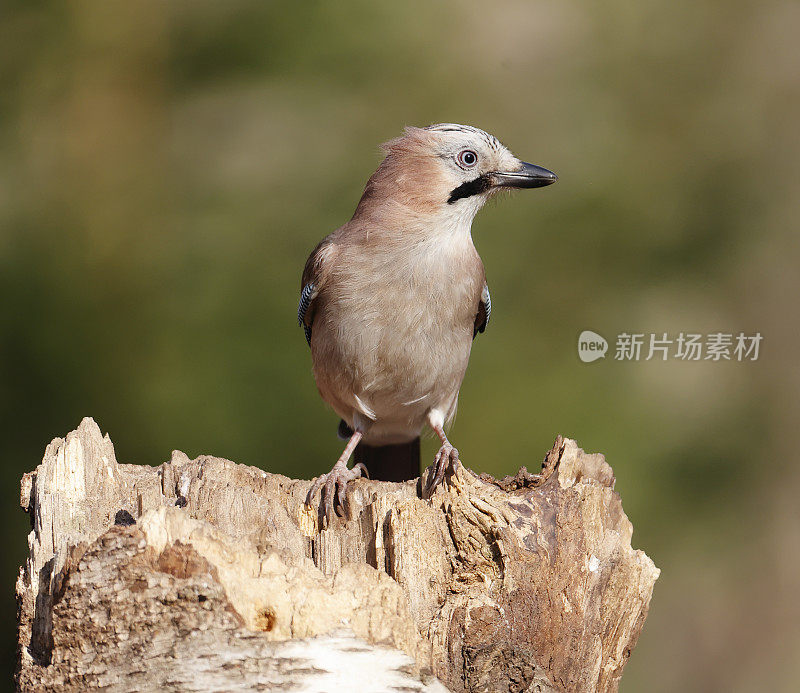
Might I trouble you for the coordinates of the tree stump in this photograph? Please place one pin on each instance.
(204, 575)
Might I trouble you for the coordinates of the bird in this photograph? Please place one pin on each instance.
(391, 302)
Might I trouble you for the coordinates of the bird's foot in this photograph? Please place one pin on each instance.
(446, 458)
(334, 490)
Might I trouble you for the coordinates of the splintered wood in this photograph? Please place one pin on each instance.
(206, 575)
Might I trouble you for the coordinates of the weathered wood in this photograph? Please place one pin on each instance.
(206, 575)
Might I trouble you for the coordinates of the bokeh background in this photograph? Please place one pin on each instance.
(166, 167)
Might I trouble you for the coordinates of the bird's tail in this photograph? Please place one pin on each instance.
(390, 462)
(386, 462)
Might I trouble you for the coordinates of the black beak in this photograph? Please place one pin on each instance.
(529, 176)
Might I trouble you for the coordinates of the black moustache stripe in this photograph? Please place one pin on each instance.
(474, 187)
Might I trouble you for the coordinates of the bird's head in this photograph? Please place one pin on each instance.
(447, 170)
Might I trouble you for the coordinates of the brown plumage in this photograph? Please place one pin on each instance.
(392, 300)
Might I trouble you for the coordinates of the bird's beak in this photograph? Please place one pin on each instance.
(529, 176)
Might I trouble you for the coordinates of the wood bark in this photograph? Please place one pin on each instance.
(203, 575)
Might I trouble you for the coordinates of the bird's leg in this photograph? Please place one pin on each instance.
(446, 457)
(334, 483)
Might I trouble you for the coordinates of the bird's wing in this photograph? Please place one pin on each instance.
(484, 311)
(315, 274)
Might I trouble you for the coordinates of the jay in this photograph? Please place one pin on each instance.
(391, 301)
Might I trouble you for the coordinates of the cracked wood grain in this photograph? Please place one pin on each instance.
(206, 575)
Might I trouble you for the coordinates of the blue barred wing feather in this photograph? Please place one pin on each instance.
(306, 296)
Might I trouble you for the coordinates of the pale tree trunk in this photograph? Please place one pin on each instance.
(205, 575)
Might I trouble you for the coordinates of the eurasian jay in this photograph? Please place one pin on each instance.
(391, 301)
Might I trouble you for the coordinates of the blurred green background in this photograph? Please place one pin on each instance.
(166, 167)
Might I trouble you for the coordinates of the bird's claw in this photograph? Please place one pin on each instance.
(446, 458)
(334, 490)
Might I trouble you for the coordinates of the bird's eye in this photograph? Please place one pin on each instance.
(467, 158)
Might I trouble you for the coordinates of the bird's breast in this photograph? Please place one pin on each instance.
(397, 324)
